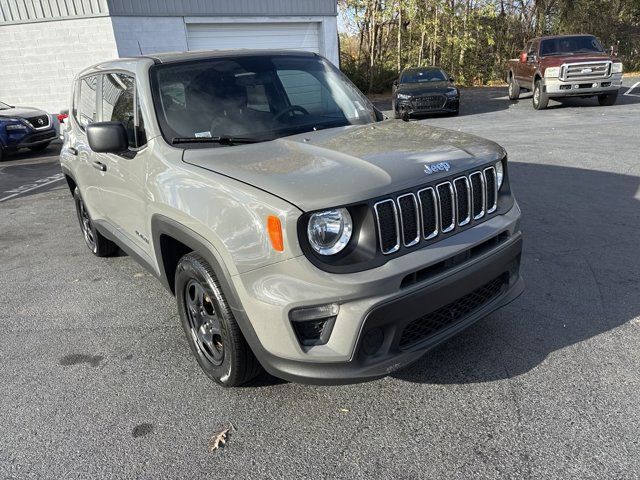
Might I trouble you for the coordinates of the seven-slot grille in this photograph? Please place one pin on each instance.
(585, 71)
(421, 216)
(430, 102)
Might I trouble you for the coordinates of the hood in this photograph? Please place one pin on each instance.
(21, 112)
(345, 165)
(557, 60)
(424, 88)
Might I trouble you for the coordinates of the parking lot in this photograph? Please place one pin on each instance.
(97, 380)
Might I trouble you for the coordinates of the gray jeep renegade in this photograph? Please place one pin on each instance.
(299, 230)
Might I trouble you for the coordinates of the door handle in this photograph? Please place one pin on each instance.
(99, 166)
(73, 151)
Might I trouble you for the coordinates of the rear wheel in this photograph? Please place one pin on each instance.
(99, 245)
(540, 98)
(39, 148)
(209, 325)
(607, 99)
(514, 89)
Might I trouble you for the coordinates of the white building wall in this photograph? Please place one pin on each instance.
(39, 60)
(154, 34)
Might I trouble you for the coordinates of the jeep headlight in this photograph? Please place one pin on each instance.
(330, 231)
(552, 72)
(403, 96)
(616, 67)
(499, 174)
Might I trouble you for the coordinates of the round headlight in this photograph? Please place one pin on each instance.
(499, 174)
(330, 231)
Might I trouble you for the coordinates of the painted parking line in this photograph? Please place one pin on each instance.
(14, 192)
(628, 92)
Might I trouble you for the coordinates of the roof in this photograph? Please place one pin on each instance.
(171, 57)
(552, 37)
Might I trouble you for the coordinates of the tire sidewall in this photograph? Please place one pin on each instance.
(77, 200)
(192, 269)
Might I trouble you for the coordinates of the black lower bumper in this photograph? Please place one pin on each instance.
(35, 139)
(392, 318)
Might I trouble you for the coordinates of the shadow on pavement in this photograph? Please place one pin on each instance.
(581, 267)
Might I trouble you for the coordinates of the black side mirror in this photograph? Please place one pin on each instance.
(379, 115)
(107, 137)
(452, 80)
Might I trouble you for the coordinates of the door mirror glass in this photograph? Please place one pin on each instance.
(107, 137)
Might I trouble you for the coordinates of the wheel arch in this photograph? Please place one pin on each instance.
(172, 240)
(71, 182)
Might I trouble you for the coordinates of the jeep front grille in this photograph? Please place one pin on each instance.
(585, 71)
(412, 218)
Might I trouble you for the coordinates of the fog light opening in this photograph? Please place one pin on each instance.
(313, 325)
(372, 341)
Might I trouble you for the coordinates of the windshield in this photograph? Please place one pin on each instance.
(420, 76)
(570, 45)
(4, 106)
(255, 98)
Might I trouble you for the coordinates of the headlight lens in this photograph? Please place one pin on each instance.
(499, 174)
(330, 231)
(14, 127)
(552, 72)
(452, 93)
(403, 96)
(616, 67)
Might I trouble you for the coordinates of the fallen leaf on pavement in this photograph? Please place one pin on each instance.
(220, 439)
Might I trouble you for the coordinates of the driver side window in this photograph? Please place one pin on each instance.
(119, 105)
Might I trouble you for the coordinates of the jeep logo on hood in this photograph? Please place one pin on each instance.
(437, 167)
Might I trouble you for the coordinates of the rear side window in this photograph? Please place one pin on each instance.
(85, 102)
(119, 104)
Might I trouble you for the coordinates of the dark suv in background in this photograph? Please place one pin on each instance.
(25, 127)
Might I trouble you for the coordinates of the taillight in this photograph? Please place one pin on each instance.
(62, 117)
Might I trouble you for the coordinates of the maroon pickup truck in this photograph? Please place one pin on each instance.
(565, 66)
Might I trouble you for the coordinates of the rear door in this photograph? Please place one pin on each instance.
(124, 197)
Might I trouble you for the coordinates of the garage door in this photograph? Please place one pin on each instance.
(222, 36)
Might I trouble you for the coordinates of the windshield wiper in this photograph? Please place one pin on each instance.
(222, 140)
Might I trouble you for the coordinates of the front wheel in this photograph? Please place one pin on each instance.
(607, 99)
(514, 89)
(540, 98)
(209, 325)
(99, 245)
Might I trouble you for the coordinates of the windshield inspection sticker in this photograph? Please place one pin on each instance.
(202, 134)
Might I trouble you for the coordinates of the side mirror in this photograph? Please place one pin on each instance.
(452, 80)
(395, 82)
(379, 115)
(614, 50)
(107, 137)
(523, 57)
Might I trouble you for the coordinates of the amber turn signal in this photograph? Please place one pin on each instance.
(274, 227)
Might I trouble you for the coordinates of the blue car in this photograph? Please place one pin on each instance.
(23, 127)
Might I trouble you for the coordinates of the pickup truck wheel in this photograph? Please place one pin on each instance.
(211, 329)
(540, 98)
(514, 89)
(607, 99)
(99, 245)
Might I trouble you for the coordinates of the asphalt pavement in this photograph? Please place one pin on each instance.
(97, 381)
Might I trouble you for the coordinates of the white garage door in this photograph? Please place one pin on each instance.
(223, 36)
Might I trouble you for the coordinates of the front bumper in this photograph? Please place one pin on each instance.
(375, 299)
(555, 87)
(30, 139)
(451, 105)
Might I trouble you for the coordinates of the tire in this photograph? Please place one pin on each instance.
(1, 153)
(514, 89)
(99, 245)
(212, 332)
(540, 98)
(39, 148)
(607, 99)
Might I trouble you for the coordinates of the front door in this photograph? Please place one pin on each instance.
(123, 191)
